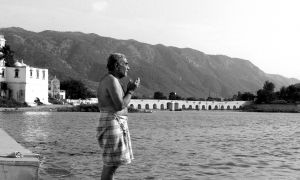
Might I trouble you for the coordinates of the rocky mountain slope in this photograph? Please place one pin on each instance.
(188, 72)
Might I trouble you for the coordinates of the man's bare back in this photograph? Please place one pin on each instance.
(109, 93)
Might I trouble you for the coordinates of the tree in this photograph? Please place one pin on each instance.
(213, 99)
(135, 97)
(191, 99)
(246, 96)
(269, 87)
(266, 95)
(261, 96)
(159, 95)
(8, 55)
(174, 96)
(292, 93)
(75, 89)
(282, 93)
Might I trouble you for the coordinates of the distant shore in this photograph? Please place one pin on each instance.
(287, 108)
(47, 108)
(64, 108)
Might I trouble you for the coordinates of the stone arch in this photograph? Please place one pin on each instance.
(190, 107)
(222, 107)
(183, 106)
(154, 106)
(176, 105)
(203, 107)
(147, 106)
(240, 107)
(131, 105)
(169, 106)
(139, 106)
(162, 106)
(216, 107)
(234, 107)
(197, 107)
(228, 107)
(209, 107)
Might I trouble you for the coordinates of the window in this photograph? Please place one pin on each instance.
(31, 73)
(44, 74)
(2, 74)
(21, 93)
(17, 73)
(37, 74)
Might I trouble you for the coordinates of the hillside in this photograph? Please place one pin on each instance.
(186, 71)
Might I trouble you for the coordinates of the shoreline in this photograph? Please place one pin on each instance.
(64, 108)
(275, 108)
(43, 108)
(280, 108)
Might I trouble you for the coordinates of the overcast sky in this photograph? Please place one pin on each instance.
(266, 32)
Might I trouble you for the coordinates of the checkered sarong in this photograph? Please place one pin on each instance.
(114, 139)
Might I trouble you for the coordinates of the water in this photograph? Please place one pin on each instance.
(167, 145)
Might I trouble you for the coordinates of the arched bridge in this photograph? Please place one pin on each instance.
(184, 105)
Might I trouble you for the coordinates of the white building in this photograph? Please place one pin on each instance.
(2, 41)
(22, 82)
(54, 89)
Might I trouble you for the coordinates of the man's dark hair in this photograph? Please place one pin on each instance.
(113, 59)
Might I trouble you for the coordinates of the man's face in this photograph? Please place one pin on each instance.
(123, 67)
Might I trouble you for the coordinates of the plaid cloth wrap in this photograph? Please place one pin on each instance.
(114, 139)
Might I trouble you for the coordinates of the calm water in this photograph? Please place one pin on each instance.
(167, 145)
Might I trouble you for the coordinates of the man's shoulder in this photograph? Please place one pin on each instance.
(110, 80)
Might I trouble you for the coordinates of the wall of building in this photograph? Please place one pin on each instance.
(17, 91)
(36, 85)
(62, 94)
(36, 90)
(2, 78)
(11, 72)
(2, 41)
(16, 84)
(30, 84)
(54, 88)
(76, 102)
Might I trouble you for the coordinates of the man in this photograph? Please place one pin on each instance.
(112, 132)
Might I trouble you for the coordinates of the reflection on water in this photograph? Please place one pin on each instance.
(167, 145)
(35, 126)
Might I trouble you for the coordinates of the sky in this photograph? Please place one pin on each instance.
(265, 32)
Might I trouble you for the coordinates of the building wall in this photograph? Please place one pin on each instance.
(62, 94)
(36, 85)
(31, 83)
(11, 72)
(2, 73)
(54, 90)
(17, 91)
(2, 41)
(36, 90)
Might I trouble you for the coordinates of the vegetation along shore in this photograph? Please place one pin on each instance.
(63, 108)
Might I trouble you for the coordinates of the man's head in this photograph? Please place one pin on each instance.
(118, 65)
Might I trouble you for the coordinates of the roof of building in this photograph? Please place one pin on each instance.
(20, 64)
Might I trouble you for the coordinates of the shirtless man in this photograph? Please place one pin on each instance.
(112, 132)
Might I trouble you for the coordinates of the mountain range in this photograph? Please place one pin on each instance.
(186, 71)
